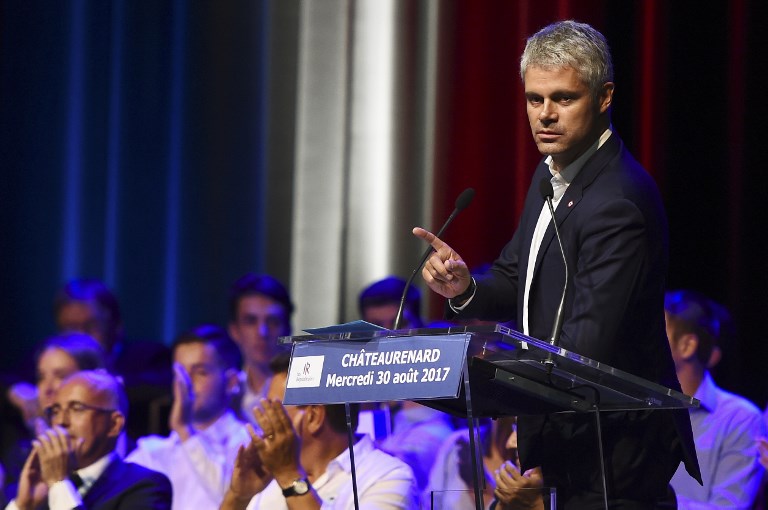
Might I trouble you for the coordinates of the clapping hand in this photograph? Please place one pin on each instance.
(279, 445)
(180, 418)
(516, 491)
(249, 476)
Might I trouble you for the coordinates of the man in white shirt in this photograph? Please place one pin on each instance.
(260, 311)
(302, 461)
(199, 453)
(74, 465)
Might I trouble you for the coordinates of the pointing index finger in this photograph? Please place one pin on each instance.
(429, 237)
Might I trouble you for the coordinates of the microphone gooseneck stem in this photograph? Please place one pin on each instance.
(557, 327)
(424, 257)
(462, 202)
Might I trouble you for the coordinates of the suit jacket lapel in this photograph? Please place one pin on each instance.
(573, 195)
(101, 488)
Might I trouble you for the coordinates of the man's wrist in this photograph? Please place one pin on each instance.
(235, 501)
(464, 296)
(53, 480)
(286, 478)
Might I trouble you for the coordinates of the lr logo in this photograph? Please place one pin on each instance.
(306, 372)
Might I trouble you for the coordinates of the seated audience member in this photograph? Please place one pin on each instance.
(199, 454)
(87, 305)
(56, 359)
(260, 311)
(725, 426)
(302, 460)
(74, 464)
(379, 302)
(417, 431)
(451, 479)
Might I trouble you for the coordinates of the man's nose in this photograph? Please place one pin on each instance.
(62, 420)
(548, 113)
(47, 388)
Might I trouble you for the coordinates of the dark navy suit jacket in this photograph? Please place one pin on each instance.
(614, 231)
(128, 486)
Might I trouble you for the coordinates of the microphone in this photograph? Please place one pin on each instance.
(545, 187)
(462, 202)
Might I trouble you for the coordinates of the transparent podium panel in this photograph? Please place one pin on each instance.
(510, 374)
(467, 371)
(529, 498)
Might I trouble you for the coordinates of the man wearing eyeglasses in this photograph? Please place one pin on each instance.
(74, 465)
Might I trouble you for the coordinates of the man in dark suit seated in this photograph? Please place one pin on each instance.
(74, 464)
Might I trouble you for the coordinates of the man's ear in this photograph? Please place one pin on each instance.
(314, 419)
(116, 424)
(687, 345)
(606, 96)
(715, 357)
(234, 332)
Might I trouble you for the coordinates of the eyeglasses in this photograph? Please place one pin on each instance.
(77, 408)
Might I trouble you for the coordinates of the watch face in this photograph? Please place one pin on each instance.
(301, 487)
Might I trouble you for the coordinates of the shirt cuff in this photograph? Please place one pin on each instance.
(63, 496)
(457, 309)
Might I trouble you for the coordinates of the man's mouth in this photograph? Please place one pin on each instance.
(548, 136)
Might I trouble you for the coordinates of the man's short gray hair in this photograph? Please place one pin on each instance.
(570, 44)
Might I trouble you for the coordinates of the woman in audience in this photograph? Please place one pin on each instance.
(58, 358)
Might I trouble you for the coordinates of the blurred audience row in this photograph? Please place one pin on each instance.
(117, 424)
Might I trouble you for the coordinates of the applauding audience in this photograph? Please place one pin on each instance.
(301, 461)
(199, 454)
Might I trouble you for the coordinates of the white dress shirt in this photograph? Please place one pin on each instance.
(199, 468)
(383, 483)
(251, 398)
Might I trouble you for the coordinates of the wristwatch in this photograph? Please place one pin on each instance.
(299, 487)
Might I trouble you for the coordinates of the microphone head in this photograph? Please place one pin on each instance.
(465, 199)
(545, 188)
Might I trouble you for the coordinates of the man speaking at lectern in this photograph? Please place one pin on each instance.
(614, 234)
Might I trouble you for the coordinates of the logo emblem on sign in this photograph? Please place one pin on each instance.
(307, 373)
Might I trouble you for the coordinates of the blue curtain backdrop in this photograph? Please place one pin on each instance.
(134, 150)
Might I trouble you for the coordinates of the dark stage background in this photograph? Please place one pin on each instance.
(145, 143)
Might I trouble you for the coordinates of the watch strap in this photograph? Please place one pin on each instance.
(298, 487)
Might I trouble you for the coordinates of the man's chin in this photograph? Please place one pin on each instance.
(549, 148)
